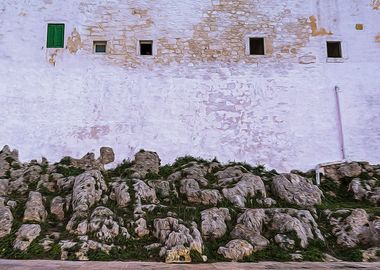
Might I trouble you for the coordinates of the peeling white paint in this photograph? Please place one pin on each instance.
(275, 111)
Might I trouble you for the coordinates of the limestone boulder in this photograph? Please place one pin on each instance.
(172, 235)
(236, 250)
(7, 157)
(57, 207)
(192, 170)
(354, 229)
(141, 229)
(4, 184)
(35, 209)
(195, 194)
(144, 193)
(145, 162)
(284, 241)
(230, 175)
(301, 222)
(106, 155)
(104, 224)
(119, 193)
(87, 190)
(296, 189)
(6, 221)
(248, 185)
(213, 224)
(25, 236)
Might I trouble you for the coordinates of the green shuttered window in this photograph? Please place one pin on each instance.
(55, 35)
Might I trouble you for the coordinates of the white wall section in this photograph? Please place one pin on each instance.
(200, 94)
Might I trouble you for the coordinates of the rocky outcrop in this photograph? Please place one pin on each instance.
(87, 190)
(106, 155)
(102, 223)
(297, 190)
(174, 235)
(194, 194)
(182, 211)
(145, 162)
(35, 209)
(213, 222)
(353, 228)
(57, 207)
(365, 190)
(6, 221)
(236, 250)
(25, 236)
(248, 185)
(119, 192)
(144, 193)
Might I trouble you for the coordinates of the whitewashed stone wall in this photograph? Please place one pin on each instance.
(200, 94)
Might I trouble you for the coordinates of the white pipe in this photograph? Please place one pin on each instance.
(319, 168)
(340, 123)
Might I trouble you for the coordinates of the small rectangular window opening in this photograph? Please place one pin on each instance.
(146, 47)
(256, 46)
(55, 35)
(100, 46)
(334, 49)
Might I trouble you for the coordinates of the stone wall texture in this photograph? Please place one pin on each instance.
(201, 93)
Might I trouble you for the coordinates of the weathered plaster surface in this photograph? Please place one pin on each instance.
(200, 94)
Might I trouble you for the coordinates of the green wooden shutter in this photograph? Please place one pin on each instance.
(56, 36)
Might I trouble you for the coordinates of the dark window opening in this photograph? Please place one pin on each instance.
(100, 46)
(256, 46)
(55, 35)
(334, 49)
(146, 47)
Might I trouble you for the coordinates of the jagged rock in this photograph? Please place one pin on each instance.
(296, 189)
(141, 229)
(292, 220)
(191, 170)
(18, 186)
(103, 224)
(57, 207)
(145, 162)
(163, 188)
(284, 241)
(7, 157)
(178, 254)
(144, 193)
(360, 191)
(236, 250)
(194, 194)
(25, 236)
(66, 246)
(35, 209)
(249, 226)
(106, 155)
(64, 183)
(230, 175)
(354, 229)
(213, 222)
(78, 223)
(249, 185)
(172, 235)
(371, 255)
(87, 190)
(12, 204)
(4, 183)
(87, 162)
(352, 169)
(6, 221)
(365, 190)
(119, 192)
